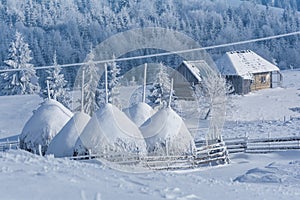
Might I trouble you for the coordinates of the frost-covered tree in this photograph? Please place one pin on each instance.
(24, 80)
(211, 94)
(113, 77)
(160, 89)
(91, 79)
(113, 72)
(57, 85)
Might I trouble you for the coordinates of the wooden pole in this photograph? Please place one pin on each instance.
(145, 82)
(82, 92)
(106, 89)
(48, 89)
(171, 93)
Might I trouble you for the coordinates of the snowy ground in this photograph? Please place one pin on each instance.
(268, 176)
(249, 176)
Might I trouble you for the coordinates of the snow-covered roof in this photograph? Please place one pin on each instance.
(194, 67)
(244, 63)
(110, 131)
(166, 126)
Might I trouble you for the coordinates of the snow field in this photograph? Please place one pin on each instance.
(249, 176)
(48, 178)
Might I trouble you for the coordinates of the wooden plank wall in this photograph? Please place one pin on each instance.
(258, 84)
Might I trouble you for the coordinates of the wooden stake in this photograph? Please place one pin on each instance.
(145, 82)
(106, 88)
(48, 89)
(82, 92)
(171, 93)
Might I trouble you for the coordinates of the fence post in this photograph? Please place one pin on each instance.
(40, 150)
(18, 144)
(90, 154)
(167, 147)
(269, 137)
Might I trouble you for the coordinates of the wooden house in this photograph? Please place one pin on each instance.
(247, 71)
(187, 75)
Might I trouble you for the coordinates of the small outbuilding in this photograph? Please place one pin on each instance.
(247, 71)
(188, 74)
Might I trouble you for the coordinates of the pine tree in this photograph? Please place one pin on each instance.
(113, 77)
(24, 79)
(160, 90)
(57, 85)
(91, 79)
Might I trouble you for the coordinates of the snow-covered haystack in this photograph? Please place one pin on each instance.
(110, 132)
(63, 143)
(166, 134)
(44, 124)
(139, 113)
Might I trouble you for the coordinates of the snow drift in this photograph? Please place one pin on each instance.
(110, 132)
(166, 130)
(139, 113)
(44, 124)
(63, 143)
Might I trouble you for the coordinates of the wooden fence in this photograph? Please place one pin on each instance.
(233, 145)
(263, 145)
(215, 154)
(7, 145)
(204, 155)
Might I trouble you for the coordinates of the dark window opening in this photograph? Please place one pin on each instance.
(263, 79)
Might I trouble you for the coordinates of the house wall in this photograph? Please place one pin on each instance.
(261, 81)
(183, 82)
(236, 82)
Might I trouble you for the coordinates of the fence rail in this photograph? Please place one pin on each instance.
(233, 145)
(4, 146)
(261, 145)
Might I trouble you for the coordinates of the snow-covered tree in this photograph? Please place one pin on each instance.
(113, 72)
(57, 85)
(24, 79)
(211, 95)
(160, 90)
(91, 79)
(113, 77)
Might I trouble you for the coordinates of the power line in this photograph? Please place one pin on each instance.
(163, 54)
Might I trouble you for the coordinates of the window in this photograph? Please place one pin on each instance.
(263, 79)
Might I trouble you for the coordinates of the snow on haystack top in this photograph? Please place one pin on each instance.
(44, 124)
(166, 130)
(110, 131)
(139, 113)
(244, 63)
(63, 143)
